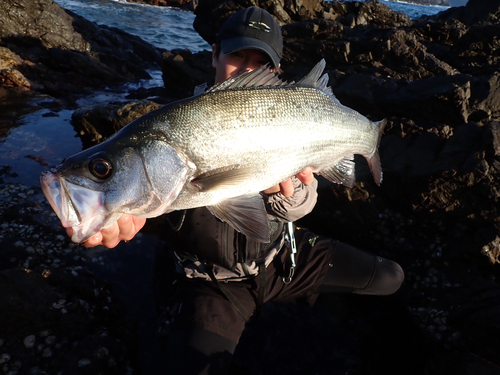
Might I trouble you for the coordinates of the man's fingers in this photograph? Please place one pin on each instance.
(306, 176)
(129, 226)
(286, 188)
(110, 237)
(95, 240)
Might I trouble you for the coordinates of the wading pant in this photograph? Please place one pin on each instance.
(207, 326)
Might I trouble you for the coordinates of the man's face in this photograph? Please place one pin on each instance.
(235, 63)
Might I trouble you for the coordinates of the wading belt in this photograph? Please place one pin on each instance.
(231, 298)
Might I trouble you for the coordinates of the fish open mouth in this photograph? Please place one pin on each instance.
(79, 208)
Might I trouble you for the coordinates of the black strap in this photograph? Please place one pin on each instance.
(231, 298)
(237, 305)
(262, 287)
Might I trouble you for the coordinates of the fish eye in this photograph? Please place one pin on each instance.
(100, 168)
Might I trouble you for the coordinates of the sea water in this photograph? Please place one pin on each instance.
(164, 27)
(169, 28)
(414, 11)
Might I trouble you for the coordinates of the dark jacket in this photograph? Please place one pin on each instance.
(203, 237)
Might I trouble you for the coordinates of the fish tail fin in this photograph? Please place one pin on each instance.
(374, 159)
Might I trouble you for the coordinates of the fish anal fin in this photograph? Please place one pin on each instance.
(341, 173)
(247, 214)
(375, 168)
(374, 160)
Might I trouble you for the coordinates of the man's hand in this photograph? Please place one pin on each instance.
(306, 176)
(124, 229)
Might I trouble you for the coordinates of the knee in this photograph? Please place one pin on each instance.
(387, 278)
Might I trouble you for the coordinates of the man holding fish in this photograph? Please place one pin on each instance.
(225, 274)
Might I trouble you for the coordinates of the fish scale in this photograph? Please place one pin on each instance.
(298, 129)
(219, 150)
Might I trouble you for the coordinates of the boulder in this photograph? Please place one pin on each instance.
(95, 123)
(63, 54)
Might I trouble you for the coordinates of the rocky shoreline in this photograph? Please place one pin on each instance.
(435, 79)
(193, 4)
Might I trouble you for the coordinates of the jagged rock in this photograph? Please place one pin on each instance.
(98, 122)
(9, 74)
(481, 11)
(183, 71)
(62, 54)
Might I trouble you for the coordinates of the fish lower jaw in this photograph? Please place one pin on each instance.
(89, 228)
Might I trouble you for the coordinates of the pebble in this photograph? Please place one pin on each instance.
(29, 341)
(101, 352)
(83, 362)
(4, 358)
(50, 340)
(58, 305)
(47, 352)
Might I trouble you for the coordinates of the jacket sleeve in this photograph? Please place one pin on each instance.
(298, 205)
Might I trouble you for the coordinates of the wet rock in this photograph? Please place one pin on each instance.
(63, 54)
(96, 123)
(382, 63)
(9, 74)
(27, 297)
(492, 251)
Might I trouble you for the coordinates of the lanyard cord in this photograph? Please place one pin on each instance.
(290, 237)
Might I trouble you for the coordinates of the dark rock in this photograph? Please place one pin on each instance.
(62, 54)
(183, 71)
(57, 328)
(9, 75)
(481, 11)
(98, 122)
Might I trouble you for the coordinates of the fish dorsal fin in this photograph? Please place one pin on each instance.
(341, 173)
(316, 80)
(247, 214)
(264, 76)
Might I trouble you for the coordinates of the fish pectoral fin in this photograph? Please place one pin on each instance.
(247, 214)
(223, 179)
(341, 173)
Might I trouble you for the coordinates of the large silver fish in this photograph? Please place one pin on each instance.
(218, 149)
